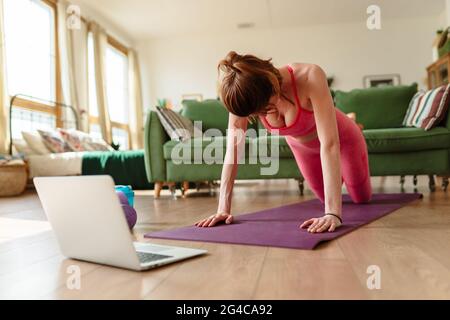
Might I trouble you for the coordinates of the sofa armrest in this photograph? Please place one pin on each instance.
(447, 121)
(155, 136)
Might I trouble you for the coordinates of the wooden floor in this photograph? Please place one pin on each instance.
(411, 247)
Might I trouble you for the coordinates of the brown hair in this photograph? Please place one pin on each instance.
(248, 83)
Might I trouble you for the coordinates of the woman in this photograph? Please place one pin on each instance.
(294, 101)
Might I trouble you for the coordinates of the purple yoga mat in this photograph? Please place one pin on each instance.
(279, 227)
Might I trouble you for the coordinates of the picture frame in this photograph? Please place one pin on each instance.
(192, 96)
(381, 80)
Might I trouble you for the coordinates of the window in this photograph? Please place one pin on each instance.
(93, 108)
(31, 59)
(116, 65)
(117, 84)
(117, 94)
(27, 120)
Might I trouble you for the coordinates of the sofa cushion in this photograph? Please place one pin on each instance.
(35, 142)
(406, 139)
(178, 128)
(173, 150)
(428, 109)
(212, 113)
(382, 107)
(53, 141)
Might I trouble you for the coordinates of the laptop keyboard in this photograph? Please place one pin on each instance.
(145, 257)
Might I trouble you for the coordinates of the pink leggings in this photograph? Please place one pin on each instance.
(354, 161)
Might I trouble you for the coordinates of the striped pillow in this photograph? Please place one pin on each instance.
(177, 127)
(427, 109)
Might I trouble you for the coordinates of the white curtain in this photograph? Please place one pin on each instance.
(100, 44)
(72, 40)
(4, 103)
(136, 112)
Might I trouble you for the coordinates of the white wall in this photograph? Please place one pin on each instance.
(111, 28)
(447, 11)
(178, 65)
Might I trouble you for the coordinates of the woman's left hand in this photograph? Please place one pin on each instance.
(326, 223)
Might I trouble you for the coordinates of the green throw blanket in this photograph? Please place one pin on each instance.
(126, 167)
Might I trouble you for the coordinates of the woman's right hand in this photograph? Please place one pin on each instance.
(237, 127)
(214, 219)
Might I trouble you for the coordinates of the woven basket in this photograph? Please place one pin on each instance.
(13, 180)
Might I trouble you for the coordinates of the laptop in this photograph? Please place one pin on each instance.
(90, 225)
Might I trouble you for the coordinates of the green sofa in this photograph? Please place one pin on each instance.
(393, 149)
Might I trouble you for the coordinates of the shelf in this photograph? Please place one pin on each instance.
(438, 72)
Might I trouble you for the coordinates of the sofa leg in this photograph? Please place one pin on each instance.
(431, 183)
(184, 188)
(173, 189)
(158, 188)
(445, 183)
(211, 187)
(402, 183)
(301, 185)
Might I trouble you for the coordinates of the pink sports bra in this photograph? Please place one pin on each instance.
(304, 121)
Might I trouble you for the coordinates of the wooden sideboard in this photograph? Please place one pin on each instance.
(438, 72)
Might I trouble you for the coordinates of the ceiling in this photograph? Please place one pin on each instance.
(144, 19)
